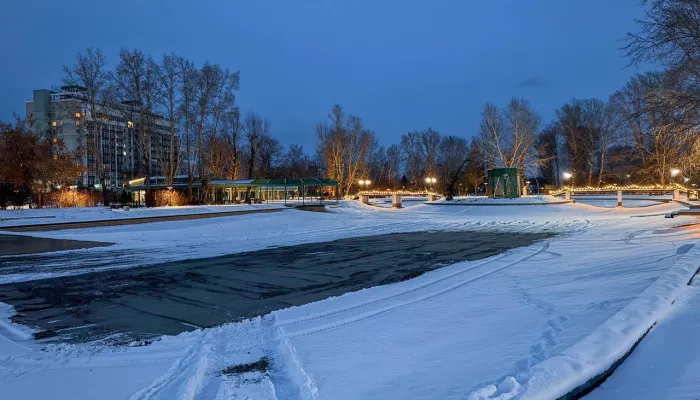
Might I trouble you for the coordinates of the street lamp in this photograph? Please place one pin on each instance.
(674, 173)
(567, 175)
(430, 181)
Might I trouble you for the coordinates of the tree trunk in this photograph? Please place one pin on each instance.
(251, 163)
(602, 166)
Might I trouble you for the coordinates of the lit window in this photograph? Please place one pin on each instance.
(77, 115)
(53, 123)
(129, 124)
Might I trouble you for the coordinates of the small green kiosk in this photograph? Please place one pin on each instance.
(503, 183)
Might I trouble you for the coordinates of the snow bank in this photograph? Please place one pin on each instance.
(7, 328)
(571, 371)
(10, 218)
(524, 200)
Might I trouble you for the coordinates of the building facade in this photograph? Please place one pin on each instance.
(66, 115)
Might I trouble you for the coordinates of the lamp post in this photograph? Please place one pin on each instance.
(566, 176)
(170, 195)
(364, 183)
(430, 181)
(674, 173)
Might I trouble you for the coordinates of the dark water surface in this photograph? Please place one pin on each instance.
(169, 298)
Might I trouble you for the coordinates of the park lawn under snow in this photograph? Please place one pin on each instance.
(510, 326)
(666, 365)
(36, 216)
(482, 200)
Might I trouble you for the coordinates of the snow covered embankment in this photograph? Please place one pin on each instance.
(578, 368)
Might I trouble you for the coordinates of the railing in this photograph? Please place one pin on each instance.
(396, 192)
(614, 189)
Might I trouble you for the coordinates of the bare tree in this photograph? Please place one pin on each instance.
(452, 159)
(548, 152)
(296, 162)
(233, 128)
(359, 144)
(669, 34)
(590, 132)
(170, 78)
(136, 79)
(345, 148)
(223, 109)
(662, 130)
(90, 73)
(508, 136)
(269, 151)
(330, 146)
(393, 160)
(420, 149)
(255, 127)
(475, 172)
(208, 85)
(189, 77)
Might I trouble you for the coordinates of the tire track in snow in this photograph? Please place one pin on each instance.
(289, 378)
(408, 291)
(430, 295)
(191, 368)
(471, 225)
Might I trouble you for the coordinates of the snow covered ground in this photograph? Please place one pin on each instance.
(405, 201)
(666, 365)
(58, 215)
(483, 200)
(628, 200)
(508, 326)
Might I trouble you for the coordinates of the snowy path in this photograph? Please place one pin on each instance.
(666, 364)
(475, 329)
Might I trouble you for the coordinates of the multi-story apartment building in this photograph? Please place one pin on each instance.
(66, 115)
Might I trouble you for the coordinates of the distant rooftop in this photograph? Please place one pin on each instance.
(73, 88)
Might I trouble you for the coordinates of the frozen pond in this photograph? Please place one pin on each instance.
(628, 201)
(179, 296)
(405, 202)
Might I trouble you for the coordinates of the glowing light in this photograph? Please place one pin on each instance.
(625, 188)
(430, 180)
(567, 175)
(675, 171)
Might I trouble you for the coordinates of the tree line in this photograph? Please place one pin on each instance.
(638, 134)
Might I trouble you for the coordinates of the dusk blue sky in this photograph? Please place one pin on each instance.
(401, 65)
